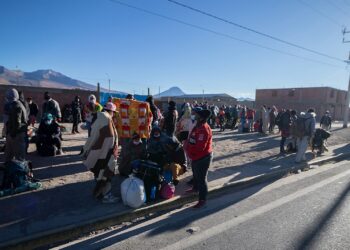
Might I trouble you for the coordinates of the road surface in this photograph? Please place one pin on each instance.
(310, 210)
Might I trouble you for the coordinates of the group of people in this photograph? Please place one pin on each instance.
(177, 141)
(174, 142)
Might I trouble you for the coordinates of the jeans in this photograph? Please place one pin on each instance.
(302, 144)
(200, 172)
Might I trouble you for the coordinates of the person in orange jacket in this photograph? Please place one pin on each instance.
(200, 152)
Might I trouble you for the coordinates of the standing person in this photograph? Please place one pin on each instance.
(51, 106)
(243, 117)
(76, 111)
(250, 118)
(199, 150)
(16, 128)
(24, 102)
(154, 110)
(34, 110)
(170, 119)
(273, 115)
(285, 122)
(234, 116)
(326, 121)
(308, 135)
(90, 110)
(100, 152)
(264, 119)
(184, 124)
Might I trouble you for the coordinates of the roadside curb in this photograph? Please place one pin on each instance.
(76, 230)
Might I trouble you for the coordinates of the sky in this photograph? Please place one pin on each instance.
(97, 40)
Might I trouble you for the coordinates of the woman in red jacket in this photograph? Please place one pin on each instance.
(199, 150)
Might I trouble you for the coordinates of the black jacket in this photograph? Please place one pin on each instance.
(18, 118)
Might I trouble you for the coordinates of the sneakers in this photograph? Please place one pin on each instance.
(109, 198)
(200, 204)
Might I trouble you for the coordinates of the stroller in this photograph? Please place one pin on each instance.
(319, 142)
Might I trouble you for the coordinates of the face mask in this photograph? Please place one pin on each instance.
(156, 135)
(92, 101)
(193, 117)
(48, 122)
(136, 142)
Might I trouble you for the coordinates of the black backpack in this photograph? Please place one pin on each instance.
(151, 174)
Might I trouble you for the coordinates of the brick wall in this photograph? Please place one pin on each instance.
(300, 99)
(62, 96)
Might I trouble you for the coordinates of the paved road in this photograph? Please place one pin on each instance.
(310, 210)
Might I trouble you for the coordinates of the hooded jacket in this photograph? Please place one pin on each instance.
(17, 114)
(310, 123)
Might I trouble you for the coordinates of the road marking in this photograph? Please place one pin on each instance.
(220, 228)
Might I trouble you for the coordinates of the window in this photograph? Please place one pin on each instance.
(332, 93)
(274, 93)
(291, 92)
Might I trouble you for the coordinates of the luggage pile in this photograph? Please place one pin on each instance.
(147, 183)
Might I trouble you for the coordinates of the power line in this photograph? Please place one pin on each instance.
(255, 31)
(220, 33)
(332, 20)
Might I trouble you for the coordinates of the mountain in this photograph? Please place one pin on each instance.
(44, 78)
(242, 99)
(173, 91)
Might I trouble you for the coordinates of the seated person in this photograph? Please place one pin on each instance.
(48, 142)
(136, 150)
(176, 159)
(155, 147)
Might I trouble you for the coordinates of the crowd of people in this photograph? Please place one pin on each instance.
(180, 137)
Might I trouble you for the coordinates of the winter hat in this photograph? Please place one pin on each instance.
(47, 116)
(203, 113)
(110, 106)
(92, 97)
(12, 95)
(135, 136)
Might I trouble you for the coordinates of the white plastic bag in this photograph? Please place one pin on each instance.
(133, 192)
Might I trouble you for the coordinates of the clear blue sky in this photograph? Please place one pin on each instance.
(85, 39)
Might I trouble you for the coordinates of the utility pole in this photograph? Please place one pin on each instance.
(109, 84)
(346, 111)
(98, 92)
(148, 91)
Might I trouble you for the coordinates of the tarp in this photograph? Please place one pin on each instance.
(133, 117)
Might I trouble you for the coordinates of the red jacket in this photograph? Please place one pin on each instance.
(199, 142)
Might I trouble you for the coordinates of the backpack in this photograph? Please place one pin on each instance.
(298, 128)
(16, 174)
(133, 192)
(151, 174)
(167, 190)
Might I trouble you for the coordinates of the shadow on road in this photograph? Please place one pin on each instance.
(310, 235)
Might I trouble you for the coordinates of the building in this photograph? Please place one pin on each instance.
(300, 99)
(216, 99)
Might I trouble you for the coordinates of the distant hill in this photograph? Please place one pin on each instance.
(173, 91)
(44, 78)
(242, 99)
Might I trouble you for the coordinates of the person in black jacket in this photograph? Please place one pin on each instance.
(154, 110)
(284, 123)
(34, 110)
(76, 111)
(170, 119)
(16, 127)
(48, 135)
